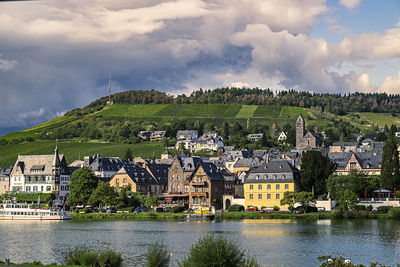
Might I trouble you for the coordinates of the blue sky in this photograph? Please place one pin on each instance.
(57, 55)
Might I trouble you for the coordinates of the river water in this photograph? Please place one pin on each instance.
(273, 242)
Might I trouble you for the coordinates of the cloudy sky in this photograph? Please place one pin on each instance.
(57, 55)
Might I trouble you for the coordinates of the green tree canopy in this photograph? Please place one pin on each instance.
(355, 181)
(390, 172)
(304, 199)
(315, 170)
(82, 183)
(348, 201)
(128, 155)
(104, 195)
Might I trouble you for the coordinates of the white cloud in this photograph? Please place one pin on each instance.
(6, 65)
(350, 3)
(391, 85)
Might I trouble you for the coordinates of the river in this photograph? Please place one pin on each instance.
(273, 242)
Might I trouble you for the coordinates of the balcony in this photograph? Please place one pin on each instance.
(199, 194)
(198, 183)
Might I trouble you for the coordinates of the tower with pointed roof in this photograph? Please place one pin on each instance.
(300, 130)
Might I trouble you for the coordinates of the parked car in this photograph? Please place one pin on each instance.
(111, 210)
(140, 209)
(267, 210)
(252, 209)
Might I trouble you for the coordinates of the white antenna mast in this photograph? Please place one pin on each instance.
(109, 89)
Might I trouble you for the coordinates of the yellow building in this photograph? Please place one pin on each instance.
(266, 184)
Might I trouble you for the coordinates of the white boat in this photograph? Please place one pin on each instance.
(18, 211)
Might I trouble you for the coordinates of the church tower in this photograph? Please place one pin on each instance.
(300, 131)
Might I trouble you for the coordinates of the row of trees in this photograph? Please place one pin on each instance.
(85, 188)
(335, 103)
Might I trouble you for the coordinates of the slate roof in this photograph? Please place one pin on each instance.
(211, 170)
(27, 163)
(246, 162)
(190, 163)
(342, 144)
(276, 171)
(106, 164)
(159, 172)
(138, 174)
(367, 160)
(228, 176)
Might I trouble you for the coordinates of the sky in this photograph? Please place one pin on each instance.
(57, 55)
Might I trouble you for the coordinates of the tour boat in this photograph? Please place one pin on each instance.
(18, 211)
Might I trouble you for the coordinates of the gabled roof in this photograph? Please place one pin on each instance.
(211, 170)
(246, 162)
(25, 164)
(106, 164)
(367, 160)
(137, 174)
(159, 172)
(190, 163)
(276, 171)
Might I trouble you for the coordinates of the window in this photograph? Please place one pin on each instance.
(117, 181)
(251, 196)
(28, 188)
(173, 177)
(42, 188)
(277, 196)
(34, 188)
(259, 196)
(186, 188)
(278, 187)
(257, 177)
(269, 196)
(179, 189)
(260, 187)
(251, 187)
(124, 180)
(286, 187)
(283, 176)
(49, 188)
(179, 177)
(269, 187)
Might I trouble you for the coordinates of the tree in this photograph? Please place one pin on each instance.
(128, 155)
(348, 201)
(226, 132)
(217, 251)
(151, 201)
(315, 170)
(104, 195)
(82, 183)
(355, 181)
(390, 171)
(304, 199)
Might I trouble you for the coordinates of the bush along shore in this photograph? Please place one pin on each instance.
(389, 213)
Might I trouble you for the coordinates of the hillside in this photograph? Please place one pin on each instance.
(111, 129)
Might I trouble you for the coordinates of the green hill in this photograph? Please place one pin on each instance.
(111, 129)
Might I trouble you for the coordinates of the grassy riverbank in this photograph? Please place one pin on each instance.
(167, 216)
(142, 216)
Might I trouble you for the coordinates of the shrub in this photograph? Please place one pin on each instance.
(235, 207)
(383, 209)
(216, 251)
(177, 209)
(157, 255)
(361, 207)
(276, 208)
(369, 208)
(114, 257)
(82, 255)
(394, 213)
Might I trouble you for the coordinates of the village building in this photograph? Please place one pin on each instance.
(366, 162)
(103, 167)
(206, 186)
(255, 137)
(265, 185)
(4, 183)
(282, 136)
(137, 178)
(306, 140)
(41, 174)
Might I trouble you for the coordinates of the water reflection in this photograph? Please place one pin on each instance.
(278, 242)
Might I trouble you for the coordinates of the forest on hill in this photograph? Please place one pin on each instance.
(335, 103)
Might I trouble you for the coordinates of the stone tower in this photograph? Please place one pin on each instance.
(300, 131)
